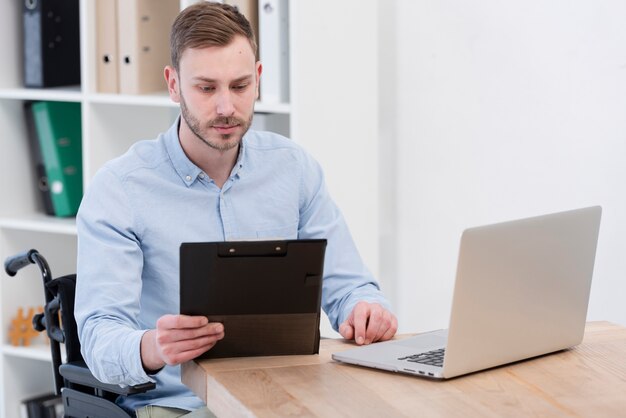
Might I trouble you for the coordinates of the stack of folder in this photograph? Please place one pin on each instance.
(55, 131)
(51, 43)
(132, 44)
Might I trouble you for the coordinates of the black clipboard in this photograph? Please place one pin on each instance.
(266, 293)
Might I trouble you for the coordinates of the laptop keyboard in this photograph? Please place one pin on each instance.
(432, 358)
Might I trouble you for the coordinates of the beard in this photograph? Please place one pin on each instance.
(220, 142)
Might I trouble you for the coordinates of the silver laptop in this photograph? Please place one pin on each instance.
(522, 290)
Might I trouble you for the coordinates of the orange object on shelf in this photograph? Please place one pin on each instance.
(21, 331)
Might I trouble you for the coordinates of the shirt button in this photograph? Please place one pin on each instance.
(188, 178)
(201, 175)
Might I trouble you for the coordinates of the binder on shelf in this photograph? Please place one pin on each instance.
(107, 59)
(52, 408)
(143, 43)
(274, 50)
(250, 9)
(51, 43)
(58, 127)
(42, 406)
(41, 179)
(186, 3)
(273, 122)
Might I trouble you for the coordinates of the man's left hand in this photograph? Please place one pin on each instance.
(368, 323)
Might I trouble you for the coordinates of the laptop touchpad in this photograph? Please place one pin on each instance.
(429, 340)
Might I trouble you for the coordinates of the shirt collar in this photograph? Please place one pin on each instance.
(184, 167)
(187, 170)
(239, 164)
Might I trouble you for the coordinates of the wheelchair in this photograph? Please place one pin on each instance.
(83, 395)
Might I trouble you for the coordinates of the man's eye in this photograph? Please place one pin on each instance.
(240, 87)
(207, 89)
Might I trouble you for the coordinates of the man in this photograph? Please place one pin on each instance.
(207, 179)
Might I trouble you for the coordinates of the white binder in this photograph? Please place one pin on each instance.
(274, 50)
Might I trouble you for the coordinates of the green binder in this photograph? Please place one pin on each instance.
(58, 127)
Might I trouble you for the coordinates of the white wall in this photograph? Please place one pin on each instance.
(335, 104)
(500, 110)
(335, 108)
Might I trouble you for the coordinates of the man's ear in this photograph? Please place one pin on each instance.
(173, 87)
(259, 70)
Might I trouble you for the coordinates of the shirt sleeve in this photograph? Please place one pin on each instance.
(347, 280)
(108, 286)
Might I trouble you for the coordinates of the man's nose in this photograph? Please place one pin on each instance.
(225, 105)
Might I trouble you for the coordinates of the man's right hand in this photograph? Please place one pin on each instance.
(178, 338)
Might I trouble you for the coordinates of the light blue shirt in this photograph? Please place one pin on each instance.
(141, 206)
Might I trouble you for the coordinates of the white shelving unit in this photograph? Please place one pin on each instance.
(332, 112)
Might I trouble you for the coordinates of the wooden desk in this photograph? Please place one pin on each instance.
(586, 381)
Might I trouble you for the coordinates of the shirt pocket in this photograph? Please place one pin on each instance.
(283, 232)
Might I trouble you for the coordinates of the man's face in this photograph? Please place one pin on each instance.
(216, 88)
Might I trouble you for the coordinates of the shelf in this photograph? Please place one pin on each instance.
(163, 100)
(35, 352)
(74, 94)
(157, 99)
(40, 223)
(39, 352)
(60, 94)
(282, 108)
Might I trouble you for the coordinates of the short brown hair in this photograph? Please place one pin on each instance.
(207, 24)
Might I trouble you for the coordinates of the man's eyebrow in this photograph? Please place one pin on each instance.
(211, 80)
(243, 78)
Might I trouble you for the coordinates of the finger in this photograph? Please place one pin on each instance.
(205, 342)
(188, 355)
(181, 321)
(385, 323)
(391, 331)
(359, 321)
(346, 330)
(373, 324)
(174, 348)
(173, 335)
(196, 347)
(177, 352)
(213, 328)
